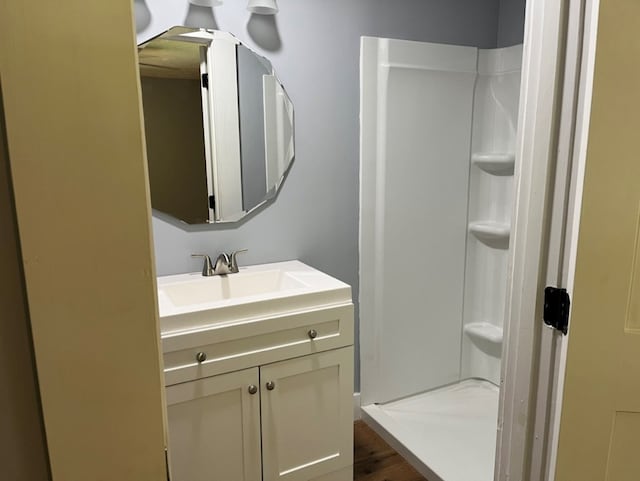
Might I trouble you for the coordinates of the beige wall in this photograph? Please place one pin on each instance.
(175, 145)
(71, 97)
(23, 452)
(600, 423)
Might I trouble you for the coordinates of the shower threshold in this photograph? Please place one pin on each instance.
(448, 434)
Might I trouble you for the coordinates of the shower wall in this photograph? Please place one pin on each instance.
(428, 113)
(416, 101)
(495, 116)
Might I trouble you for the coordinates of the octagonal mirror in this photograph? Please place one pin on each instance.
(218, 126)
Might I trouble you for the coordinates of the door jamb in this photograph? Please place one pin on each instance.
(546, 223)
(568, 260)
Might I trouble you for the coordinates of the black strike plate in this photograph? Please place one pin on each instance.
(556, 308)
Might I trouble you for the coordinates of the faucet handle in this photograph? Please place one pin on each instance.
(222, 265)
(234, 260)
(207, 268)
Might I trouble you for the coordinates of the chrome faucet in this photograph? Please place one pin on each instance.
(224, 264)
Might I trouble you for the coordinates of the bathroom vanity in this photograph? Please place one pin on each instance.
(258, 369)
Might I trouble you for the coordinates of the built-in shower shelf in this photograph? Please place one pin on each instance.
(495, 234)
(484, 331)
(494, 163)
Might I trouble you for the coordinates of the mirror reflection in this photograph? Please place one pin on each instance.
(218, 125)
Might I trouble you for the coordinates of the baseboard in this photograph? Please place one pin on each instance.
(357, 413)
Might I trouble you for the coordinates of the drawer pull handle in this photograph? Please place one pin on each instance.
(253, 389)
(313, 334)
(271, 386)
(201, 357)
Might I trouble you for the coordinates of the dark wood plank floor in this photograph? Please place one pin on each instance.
(375, 460)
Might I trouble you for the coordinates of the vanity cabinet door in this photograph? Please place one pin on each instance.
(307, 416)
(214, 428)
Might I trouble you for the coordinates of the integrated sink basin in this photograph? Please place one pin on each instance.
(192, 301)
(197, 289)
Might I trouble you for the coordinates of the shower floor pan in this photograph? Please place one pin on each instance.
(448, 434)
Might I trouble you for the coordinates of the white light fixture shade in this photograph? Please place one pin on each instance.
(263, 7)
(206, 3)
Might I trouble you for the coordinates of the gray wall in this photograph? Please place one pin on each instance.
(251, 69)
(314, 46)
(511, 22)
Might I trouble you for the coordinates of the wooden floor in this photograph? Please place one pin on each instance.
(375, 460)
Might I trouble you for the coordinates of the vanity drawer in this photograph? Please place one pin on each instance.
(222, 349)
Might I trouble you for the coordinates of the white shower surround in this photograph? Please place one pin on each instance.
(493, 139)
(438, 128)
(417, 101)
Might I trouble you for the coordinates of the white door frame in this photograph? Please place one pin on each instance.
(537, 123)
(558, 64)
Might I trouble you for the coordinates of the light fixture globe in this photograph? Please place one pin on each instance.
(206, 3)
(263, 7)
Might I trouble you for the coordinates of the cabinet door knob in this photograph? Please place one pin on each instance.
(313, 334)
(201, 357)
(271, 386)
(253, 389)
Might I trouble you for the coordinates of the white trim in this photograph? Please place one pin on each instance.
(357, 411)
(550, 356)
(369, 333)
(583, 117)
(551, 341)
(537, 126)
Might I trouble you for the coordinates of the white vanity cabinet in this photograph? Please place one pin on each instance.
(214, 427)
(307, 416)
(262, 400)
